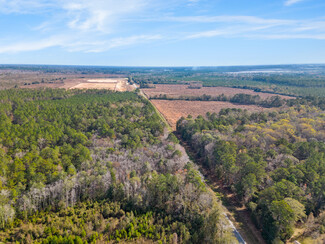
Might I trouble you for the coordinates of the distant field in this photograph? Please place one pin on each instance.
(70, 81)
(109, 84)
(174, 110)
(23, 78)
(110, 80)
(183, 90)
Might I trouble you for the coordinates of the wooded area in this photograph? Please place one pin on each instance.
(81, 166)
(87, 166)
(273, 161)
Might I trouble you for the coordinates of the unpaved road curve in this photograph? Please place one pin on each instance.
(236, 233)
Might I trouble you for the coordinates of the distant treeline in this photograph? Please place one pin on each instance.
(296, 80)
(240, 98)
(294, 84)
(246, 99)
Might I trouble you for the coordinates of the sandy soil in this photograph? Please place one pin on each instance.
(87, 82)
(174, 110)
(26, 79)
(111, 80)
(121, 85)
(109, 86)
(182, 90)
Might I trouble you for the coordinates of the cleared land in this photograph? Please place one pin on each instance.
(111, 80)
(109, 84)
(69, 81)
(183, 90)
(10, 78)
(174, 110)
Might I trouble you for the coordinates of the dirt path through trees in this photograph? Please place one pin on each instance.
(236, 212)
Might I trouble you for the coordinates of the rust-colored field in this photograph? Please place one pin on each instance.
(183, 90)
(174, 110)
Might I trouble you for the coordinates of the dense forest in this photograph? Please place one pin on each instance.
(274, 162)
(86, 166)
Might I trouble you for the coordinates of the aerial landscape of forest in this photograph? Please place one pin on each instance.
(110, 164)
(162, 122)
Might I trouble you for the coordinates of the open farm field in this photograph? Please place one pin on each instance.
(109, 84)
(174, 110)
(10, 78)
(110, 80)
(175, 91)
(34, 80)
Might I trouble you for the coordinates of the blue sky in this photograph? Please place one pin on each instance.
(162, 32)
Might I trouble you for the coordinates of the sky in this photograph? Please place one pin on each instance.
(162, 32)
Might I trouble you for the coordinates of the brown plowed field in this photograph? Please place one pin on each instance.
(182, 90)
(173, 110)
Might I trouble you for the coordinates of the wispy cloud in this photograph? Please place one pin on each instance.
(84, 15)
(257, 28)
(193, 2)
(226, 32)
(73, 45)
(79, 25)
(94, 26)
(25, 6)
(227, 19)
(34, 45)
(288, 36)
(124, 41)
(99, 15)
(291, 2)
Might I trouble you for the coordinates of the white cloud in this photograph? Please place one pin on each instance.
(291, 2)
(229, 19)
(100, 15)
(119, 42)
(94, 26)
(226, 32)
(80, 25)
(258, 28)
(83, 15)
(193, 2)
(25, 6)
(287, 36)
(72, 44)
(33, 45)
(123, 42)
